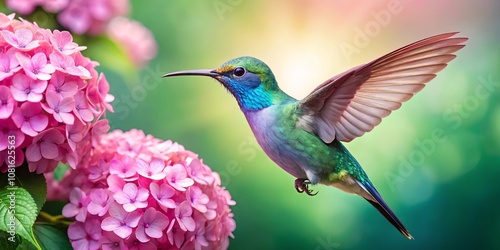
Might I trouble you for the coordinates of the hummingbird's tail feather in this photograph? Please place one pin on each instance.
(376, 200)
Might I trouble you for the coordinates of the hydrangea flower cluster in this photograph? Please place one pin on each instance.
(80, 16)
(98, 17)
(139, 192)
(51, 96)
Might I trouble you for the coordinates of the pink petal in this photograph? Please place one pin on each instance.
(70, 210)
(84, 73)
(27, 129)
(24, 36)
(10, 38)
(67, 104)
(185, 182)
(52, 100)
(142, 167)
(155, 230)
(4, 75)
(156, 165)
(30, 109)
(94, 208)
(81, 244)
(158, 176)
(188, 223)
(74, 71)
(63, 41)
(130, 189)
(67, 118)
(54, 136)
(133, 218)
(121, 198)
(19, 95)
(185, 209)
(142, 194)
(38, 86)
(20, 81)
(110, 224)
(33, 97)
(76, 231)
(33, 152)
(117, 212)
(43, 76)
(129, 207)
(39, 122)
(39, 60)
(7, 102)
(115, 183)
(22, 39)
(49, 150)
(86, 115)
(123, 231)
(162, 194)
(140, 234)
(157, 225)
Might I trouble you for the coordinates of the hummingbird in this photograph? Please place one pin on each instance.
(304, 137)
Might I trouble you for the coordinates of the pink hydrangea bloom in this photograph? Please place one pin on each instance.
(7, 102)
(120, 221)
(26, 89)
(36, 67)
(78, 205)
(7, 129)
(79, 16)
(151, 225)
(141, 47)
(85, 236)
(155, 170)
(51, 96)
(29, 118)
(186, 208)
(63, 41)
(132, 197)
(91, 16)
(26, 7)
(99, 202)
(8, 65)
(21, 39)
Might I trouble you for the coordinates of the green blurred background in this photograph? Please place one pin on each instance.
(444, 189)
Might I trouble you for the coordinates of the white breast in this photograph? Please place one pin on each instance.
(272, 140)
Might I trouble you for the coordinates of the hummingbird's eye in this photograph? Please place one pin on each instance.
(239, 71)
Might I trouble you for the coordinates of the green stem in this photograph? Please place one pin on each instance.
(57, 219)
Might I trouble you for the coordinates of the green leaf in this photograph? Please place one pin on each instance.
(51, 237)
(18, 212)
(9, 242)
(60, 171)
(34, 183)
(25, 245)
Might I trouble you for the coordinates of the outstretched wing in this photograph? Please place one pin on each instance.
(348, 105)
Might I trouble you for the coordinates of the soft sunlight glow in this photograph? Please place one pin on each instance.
(300, 72)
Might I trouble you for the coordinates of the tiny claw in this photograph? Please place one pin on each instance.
(302, 185)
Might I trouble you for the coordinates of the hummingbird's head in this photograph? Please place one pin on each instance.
(249, 79)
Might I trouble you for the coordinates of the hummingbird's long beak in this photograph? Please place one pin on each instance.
(200, 72)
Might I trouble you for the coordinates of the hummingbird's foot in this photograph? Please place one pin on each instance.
(301, 185)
